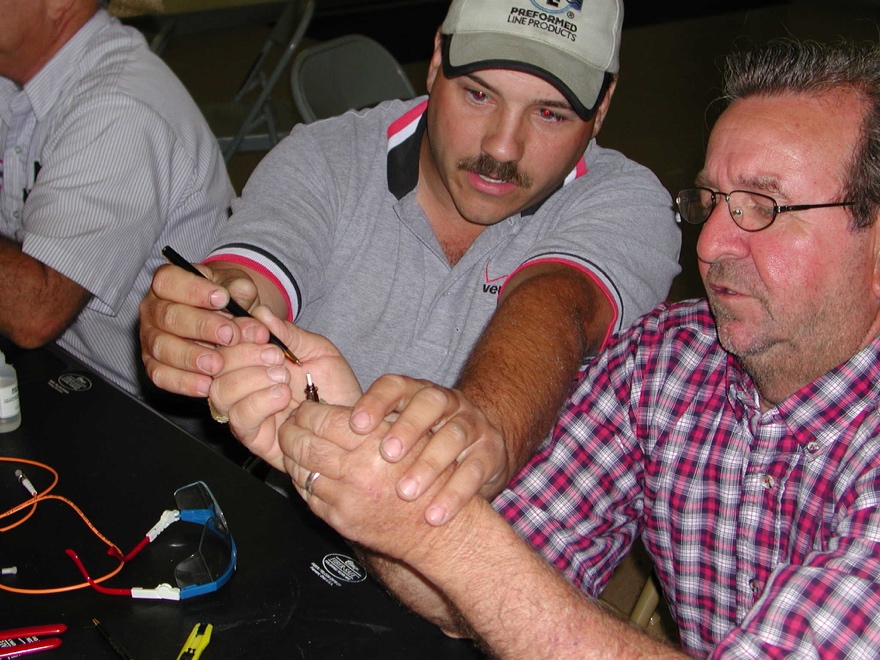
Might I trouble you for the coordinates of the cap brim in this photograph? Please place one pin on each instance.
(465, 53)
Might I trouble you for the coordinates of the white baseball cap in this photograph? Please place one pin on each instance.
(572, 44)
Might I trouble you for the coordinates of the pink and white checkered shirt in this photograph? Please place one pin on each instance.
(764, 527)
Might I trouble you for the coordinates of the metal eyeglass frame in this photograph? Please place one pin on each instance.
(777, 209)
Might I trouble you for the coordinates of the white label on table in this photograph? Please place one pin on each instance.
(9, 404)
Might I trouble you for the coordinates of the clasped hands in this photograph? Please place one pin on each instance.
(190, 346)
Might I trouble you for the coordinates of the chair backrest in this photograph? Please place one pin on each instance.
(349, 72)
(287, 34)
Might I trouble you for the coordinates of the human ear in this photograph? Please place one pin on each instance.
(436, 61)
(602, 110)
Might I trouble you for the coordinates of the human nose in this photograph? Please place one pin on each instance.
(720, 236)
(504, 138)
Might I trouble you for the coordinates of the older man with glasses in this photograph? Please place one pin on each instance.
(737, 436)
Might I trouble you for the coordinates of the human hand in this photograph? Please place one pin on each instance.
(460, 435)
(258, 388)
(182, 321)
(355, 491)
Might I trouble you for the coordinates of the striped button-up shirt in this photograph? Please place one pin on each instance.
(104, 159)
(764, 526)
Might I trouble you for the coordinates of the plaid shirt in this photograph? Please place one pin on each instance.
(764, 527)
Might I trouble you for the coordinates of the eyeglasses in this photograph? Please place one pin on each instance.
(751, 211)
(204, 571)
(211, 566)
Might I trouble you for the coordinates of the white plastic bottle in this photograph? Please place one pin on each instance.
(10, 408)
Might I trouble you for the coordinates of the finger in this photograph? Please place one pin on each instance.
(387, 394)
(306, 451)
(328, 424)
(160, 319)
(177, 380)
(252, 388)
(188, 306)
(255, 420)
(439, 453)
(175, 284)
(324, 497)
(477, 468)
(232, 388)
(306, 345)
(248, 354)
(429, 408)
(178, 365)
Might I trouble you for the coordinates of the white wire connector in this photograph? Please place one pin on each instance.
(9, 570)
(168, 516)
(162, 591)
(24, 481)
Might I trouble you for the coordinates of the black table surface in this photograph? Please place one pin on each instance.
(296, 592)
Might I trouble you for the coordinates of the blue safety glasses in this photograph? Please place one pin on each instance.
(204, 571)
(211, 566)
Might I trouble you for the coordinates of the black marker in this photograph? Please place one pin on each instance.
(233, 307)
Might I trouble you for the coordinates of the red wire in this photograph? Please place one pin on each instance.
(82, 569)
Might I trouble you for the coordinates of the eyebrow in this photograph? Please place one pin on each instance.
(762, 184)
(560, 104)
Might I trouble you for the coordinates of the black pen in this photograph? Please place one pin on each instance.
(233, 307)
(112, 641)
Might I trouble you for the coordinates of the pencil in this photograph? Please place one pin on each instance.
(233, 307)
(112, 641)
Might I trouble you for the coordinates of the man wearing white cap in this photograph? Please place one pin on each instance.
(478, 238)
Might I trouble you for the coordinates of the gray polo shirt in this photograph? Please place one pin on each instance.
(330, 215)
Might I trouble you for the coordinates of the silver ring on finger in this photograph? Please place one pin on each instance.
(310, 481)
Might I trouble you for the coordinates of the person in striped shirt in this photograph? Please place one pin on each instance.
(104, 158)
(738, 435)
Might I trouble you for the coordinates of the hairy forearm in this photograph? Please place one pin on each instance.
(414, 591)
(38, 303)
(516, 605)
(522, 369)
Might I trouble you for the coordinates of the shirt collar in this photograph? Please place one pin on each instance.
(833, 403)
(404, 144)
(44, 89)
(827, 407)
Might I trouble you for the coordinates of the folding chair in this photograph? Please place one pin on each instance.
(286, 37)
(646, 605)
(349, 72)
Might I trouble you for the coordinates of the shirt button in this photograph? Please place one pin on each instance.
(17, 150)
(16, 214)
(768, 482)
(755, 586)
(812, 447)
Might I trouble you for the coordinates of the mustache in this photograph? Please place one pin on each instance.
(725, 274)
(491, 168)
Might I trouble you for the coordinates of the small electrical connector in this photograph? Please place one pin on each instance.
(311, 391)
(24, 481)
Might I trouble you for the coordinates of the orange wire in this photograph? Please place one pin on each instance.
(32, 502)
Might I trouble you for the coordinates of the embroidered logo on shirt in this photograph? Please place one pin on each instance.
(492, 285)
